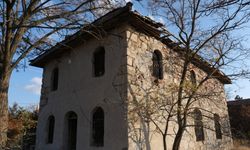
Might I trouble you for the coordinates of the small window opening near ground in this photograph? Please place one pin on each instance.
(71, 130)
(98, 127)
(199, 132)
(99, 62)
(50, 129)
(54, 79)
(217, 126)
(157, 65)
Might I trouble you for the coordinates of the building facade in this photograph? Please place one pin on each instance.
(239, 111)
(90, 86)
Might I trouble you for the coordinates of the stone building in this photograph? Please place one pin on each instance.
(89, 84)
(239, 114)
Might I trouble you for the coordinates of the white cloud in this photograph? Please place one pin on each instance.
(158, 19)
(161, 20)
(151, 17)
(34, 86)
(128, 1)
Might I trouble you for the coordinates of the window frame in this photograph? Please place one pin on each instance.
(50, 129)
(99, 62)
(198, 125)
(54, 79)
(71, 115)
(158, 70)
(94, 141)
(217, 126)
(193, 78)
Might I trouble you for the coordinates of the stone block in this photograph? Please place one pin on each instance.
(130, 60)
(134, 37)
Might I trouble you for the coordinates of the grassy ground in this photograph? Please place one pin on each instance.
(241, 145)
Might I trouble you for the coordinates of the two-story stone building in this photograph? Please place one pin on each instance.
(87, 87)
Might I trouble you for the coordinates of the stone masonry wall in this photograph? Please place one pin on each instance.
(145, 93)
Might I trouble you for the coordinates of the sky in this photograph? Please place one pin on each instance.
(25, 85)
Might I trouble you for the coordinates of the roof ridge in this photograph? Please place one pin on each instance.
(112, 19)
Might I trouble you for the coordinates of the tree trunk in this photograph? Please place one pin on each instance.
(4, 86)
(177, 140)
(164, 142)
(146, 130)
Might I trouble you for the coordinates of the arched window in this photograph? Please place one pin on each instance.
(157, 65)
(199, 132)
(50, 129)
(54, 79)
(193, 77)
(99, 62)
(98, 127)
(71, 130)
(217, 126)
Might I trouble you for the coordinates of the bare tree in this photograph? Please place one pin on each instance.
(203, 36)
(28, 27)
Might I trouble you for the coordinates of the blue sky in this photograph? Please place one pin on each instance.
(25, 85)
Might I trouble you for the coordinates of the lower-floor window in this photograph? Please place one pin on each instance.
(71, 130)
(98, 127)
(199, 132)
(217, 126)
(50, 129)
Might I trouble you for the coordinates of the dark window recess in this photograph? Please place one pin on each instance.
(98, 127)
(199, 132)
(54, 79)
(217, 126)
(99, 62)
(193, 78)
(157, 65)
(51, 126)
(72, 131)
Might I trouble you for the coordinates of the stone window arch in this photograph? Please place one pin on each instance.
(71, 130)
(99, 62)
(157, 64)
(54, 79)
(199, 131)
(98, 127)
(217, 126)
(50, 129)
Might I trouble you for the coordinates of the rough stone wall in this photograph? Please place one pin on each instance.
(146, 93)
(80, 92)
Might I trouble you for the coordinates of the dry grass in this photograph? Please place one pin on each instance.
(241, 144)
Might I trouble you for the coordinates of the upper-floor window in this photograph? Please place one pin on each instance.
(217, 126)
(193, 78)
(199, 132)
(157, 65)
(98, 127)
(99, 62)
(54, 79)
(50, 129)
